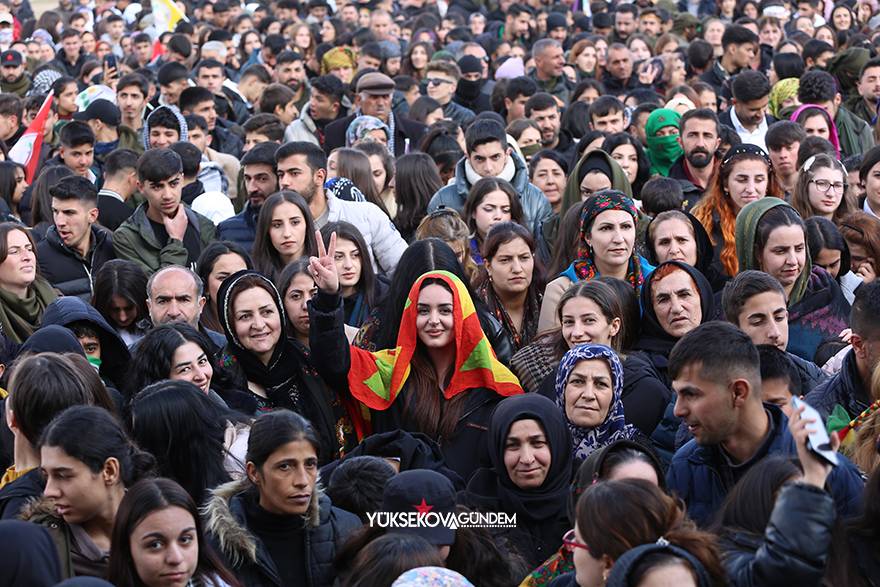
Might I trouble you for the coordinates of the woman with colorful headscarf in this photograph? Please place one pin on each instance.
(817, 122)
(783, 96)
(366, 128)
(441, 379)
(661, 131)
(771, 237)
(589, 385)
(606, 247)
(530, 451)
(339, 61)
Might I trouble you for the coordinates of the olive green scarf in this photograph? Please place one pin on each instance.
(20, 317)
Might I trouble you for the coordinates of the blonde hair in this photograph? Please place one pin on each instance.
(863, 451)
(447, 225)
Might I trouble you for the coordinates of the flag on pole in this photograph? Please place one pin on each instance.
(166, 15)
(26, 150)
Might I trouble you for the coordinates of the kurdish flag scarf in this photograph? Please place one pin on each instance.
(377, 378)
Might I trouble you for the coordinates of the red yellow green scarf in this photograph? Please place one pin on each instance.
(377, 378)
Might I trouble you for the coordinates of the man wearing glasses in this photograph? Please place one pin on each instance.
(442, 78)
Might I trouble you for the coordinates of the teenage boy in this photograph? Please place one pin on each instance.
(162, 231)
(75, 248)
(120, 183)
(77, 150)
(739, 46)
(488, 155)
(131, 97)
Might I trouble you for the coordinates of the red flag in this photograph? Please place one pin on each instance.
(27, 149)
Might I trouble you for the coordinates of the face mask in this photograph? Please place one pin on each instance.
(5, 37)
(96, 363)
(530, 150)
(468, 88)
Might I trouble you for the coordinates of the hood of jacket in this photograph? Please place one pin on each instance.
(520, 181)
(572, 193)
(69, 309)
(184, 133)
(224, 520)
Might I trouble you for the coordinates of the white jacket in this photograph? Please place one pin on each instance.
(385, 243)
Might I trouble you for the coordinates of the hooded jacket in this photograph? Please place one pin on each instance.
(42, 511)
(702, 476)
(536, 208)
(794, 548)
(182, 128)
(136, 241)
(855, 135)
(226, 524)
(67, 270)
(114, 353)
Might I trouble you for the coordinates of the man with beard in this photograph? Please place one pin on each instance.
(748, 115)
(15, 79)
(260, 181)
(291, 72)
(699, 138)
(325, 106)
(544, 110)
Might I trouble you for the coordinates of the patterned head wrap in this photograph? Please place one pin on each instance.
(585, 265)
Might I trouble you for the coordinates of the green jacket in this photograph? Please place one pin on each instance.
(130, 139)
(856, 105)
(856, 137)
(136, 241)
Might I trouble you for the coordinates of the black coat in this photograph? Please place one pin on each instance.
(334, 134)
(845, 388)
(66, 269)
(464, 451)
(14, 496)
(241, 228)
(794, 547)
(112, 212)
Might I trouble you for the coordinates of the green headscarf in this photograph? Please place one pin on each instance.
(663, 151)
(783, 90)
(747, 227)
(20, 317)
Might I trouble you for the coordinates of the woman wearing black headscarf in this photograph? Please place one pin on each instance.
(277, 370)
(530, 451)
(675, 299)
(676, 235)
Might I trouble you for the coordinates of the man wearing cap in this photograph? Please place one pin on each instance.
(105, 120)
(374, 91)
(14, 79)
(549, 62)
(469, 91)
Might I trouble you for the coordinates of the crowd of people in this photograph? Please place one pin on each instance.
(268, 270)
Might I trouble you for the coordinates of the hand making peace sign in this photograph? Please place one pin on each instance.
(323, 266)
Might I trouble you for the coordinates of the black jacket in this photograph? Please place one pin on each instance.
(241, 228)
(403, 129)
(724, 118)
(66, 269)
(14, 496)
(225, 138)
(845, 388)
(326, 528)
(112, 212)
(464, 451)
(794, 547)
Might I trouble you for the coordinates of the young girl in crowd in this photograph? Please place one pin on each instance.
(276, 526)
(285, 232)
(829, 250)
(158, 540)
(361, 288)
(630, 155)
(382, 171)
(23, 294)
(489, 202)
(120, 295)
(354, 165)
(446, 224)
(218, 261)
(439, 331)
(510, 283)
(817, 122)
(862, 234)
(272, 368)
(88, 462)
(821, 189)
(606, 247)
(416, 179)
(745, 175)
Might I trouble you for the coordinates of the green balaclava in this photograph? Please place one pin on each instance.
(663, 151)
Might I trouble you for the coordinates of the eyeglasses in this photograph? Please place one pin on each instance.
(824, 185)
(571, 544)
(436, 81)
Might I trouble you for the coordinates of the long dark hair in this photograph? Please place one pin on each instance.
(478, 193)
(367, 283)
(122, 278)
(275, 429)
(623, 138)
(204, 267)
(417, 179)
(567, 239)
(8, 183)
(154, 358)
(606, 299)
(822, 234)
(384, 559)
(184, 429)
(354, 164)
(91, 435)
(266, 257)
(748, 505)
(141, 500)
(41, 201)
(503, 233)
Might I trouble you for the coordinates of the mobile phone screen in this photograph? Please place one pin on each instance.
(818, 441)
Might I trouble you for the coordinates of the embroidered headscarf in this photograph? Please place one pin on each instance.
(614, 427)
(376, 378)
(585, 265)
(431, 577)
(361, 127)
(833, 138)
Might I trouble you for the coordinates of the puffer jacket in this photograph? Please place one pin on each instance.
(844, 388)
(380, 234)
(536, 208)
(241, 228)
(795, 545)
(136, 241)
(67, 270)
(702, 476)
(225, 520)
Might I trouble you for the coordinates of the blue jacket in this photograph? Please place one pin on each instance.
(845, 388)
(536, 208)
(241, 228)
(701, 476)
